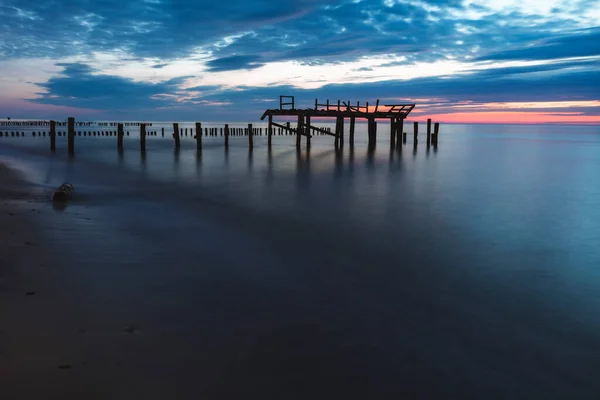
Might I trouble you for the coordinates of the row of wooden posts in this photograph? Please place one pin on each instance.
(65, 123)
(304, 128)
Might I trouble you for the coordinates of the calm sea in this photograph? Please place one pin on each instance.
(467, 271)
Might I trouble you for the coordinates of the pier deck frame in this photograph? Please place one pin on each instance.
(396, 113)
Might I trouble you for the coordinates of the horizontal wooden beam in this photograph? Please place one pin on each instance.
(400, 113)
(289, 129)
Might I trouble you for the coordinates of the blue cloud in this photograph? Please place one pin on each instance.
(234, 62)
(80, 87)
(583, 44)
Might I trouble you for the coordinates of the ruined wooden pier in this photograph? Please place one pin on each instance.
(340, 110)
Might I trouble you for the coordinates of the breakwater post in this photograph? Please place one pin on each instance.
(120, 137)
(226, 136)
(53, 135)
(198, 136)
(436, 132)
(143, 137)
(71, 135)
(428, 131)
(250, 137)
(416, 137)
(176, 135)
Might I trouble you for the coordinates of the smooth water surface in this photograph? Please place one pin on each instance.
(470, 270)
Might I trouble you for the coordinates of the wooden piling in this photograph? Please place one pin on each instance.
(352, 123)
(341, 131)
(226, 135)
(198, 136)
(416, 138)
(428, 131)
(270, 133)
(71, 135)
(393, 127)
(436, 132)
(250, 137)
(176, 135)
(308, 131)
(143, 137)
(120, 137)
(52, 135)
(399, 130)
(299, 128)
(371, 132)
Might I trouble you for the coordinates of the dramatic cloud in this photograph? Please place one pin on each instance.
(162, 58)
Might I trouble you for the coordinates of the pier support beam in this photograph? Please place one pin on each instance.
(352, 125)
(52, 135)
(176, 136)
(270, 133)
(372, 129)
(143, 137)
(198, 136)
(399, 132)
(436, 132)
(416, 138)
(71, 135)
(393, 127)
(341, 132)
(226, 135)
(308, 132)
(299, 127)
(428, 131)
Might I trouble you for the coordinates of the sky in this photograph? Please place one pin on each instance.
(463, 61)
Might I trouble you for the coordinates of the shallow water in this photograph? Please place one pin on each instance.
(470, 270)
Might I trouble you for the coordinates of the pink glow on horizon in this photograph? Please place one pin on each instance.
(511, 117)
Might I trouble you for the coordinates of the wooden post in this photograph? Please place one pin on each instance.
(250, 137)
(341, 131)
(143, 137)
(416, 140)
(352, 122)
(393, 127)
(226, 135)
(308, 131)
(52, 135)
(270, 133)
(436, 132)
(399, 130)
(337, 132)
(299, 128)
(428, 131)
(120, 137)
(287, 132)
(71, 135)
(176, 135)
(198, 136)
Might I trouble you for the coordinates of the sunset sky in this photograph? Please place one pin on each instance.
(484, 61)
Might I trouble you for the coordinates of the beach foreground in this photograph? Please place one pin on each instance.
(145, 287)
